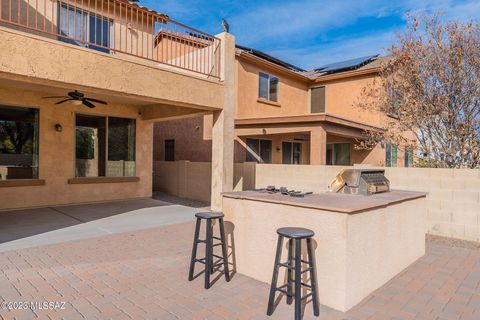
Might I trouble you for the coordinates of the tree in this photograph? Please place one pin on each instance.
(430, 87)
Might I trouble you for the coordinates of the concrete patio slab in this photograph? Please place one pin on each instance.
(36, 227)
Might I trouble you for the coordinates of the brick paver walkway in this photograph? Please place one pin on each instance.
(143, 274)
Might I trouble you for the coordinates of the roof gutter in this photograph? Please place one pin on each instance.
(252, 58)
(347, 74)
(307, 118)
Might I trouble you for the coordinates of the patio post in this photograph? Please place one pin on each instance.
(318, 146)
(223, 130)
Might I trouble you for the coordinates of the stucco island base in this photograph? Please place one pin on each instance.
(361, 242)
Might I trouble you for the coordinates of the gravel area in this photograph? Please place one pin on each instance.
(452, 242)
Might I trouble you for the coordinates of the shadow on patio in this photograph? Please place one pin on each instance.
(43, 226)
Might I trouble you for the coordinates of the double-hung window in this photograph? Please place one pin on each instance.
(18, 143)
(268, 87)
(105, 146)
(83, 28)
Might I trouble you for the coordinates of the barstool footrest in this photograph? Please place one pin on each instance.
(286, 265)
(201, 260)
(308, 295)
(284, 291)
(306, 270)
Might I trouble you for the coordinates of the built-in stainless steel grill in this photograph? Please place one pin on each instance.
(360, 181)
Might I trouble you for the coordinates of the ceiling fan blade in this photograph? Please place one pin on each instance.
(60, 102)
(95, 100)
(88, 104)
(56, 97)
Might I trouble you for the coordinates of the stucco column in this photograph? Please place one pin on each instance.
(318, 146)
(223, 130)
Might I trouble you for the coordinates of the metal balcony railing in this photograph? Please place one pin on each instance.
(116, 27)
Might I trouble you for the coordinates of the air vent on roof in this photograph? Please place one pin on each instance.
(346, 65)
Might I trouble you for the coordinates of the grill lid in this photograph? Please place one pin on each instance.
(360, 181)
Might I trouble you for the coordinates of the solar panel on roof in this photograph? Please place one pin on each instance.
(346, 65)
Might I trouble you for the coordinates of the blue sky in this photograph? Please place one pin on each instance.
(310, 33)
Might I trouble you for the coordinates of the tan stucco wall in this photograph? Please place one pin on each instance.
(189, 136)
(37, 59)
(343, 95)
(293, 93)
(192, 180)
(355, 254)
(57, 155)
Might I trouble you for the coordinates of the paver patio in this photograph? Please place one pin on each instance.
(142, 274)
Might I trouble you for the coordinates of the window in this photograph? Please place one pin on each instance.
(259, 150)
(81, 27)
(317, 100)
(338, 154)
(408, 157)
(121, 147)
(391, 155)
(291, 152)
(18, 143)
(394, 101)
(105, 146)
(268, 87)
(169, 150)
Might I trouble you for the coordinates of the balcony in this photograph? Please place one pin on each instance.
(118, 28)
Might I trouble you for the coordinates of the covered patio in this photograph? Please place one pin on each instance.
(106, 265)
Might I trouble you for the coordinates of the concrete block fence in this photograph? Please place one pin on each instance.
(453, 200)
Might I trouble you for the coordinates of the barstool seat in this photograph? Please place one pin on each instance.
(296, 233)
(209, 215)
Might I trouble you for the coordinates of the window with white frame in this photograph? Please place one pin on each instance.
(268, 87)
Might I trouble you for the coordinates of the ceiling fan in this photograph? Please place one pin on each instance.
(77, 98)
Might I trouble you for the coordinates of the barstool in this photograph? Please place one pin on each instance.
(208, 259)
(297, 235)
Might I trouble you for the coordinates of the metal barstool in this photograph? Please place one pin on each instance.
(297, 235)
(209, 255)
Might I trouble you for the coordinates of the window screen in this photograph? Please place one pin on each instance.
(318, 100)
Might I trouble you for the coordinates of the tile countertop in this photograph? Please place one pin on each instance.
(337, 202)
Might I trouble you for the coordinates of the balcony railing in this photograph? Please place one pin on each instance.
(116, 27)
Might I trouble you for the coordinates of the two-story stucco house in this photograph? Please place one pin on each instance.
(81, 83)
(286, 115)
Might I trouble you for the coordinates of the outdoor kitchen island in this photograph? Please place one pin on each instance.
(360, 242)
